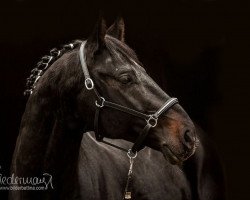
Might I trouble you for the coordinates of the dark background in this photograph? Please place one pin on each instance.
(198, 51)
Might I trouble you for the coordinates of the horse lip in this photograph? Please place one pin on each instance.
(170, 156)
(196, 144)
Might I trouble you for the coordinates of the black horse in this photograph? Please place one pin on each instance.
(64, 103)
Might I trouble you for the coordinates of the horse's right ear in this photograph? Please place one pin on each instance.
(96, 40)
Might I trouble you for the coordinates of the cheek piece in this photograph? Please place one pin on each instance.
(101, 103)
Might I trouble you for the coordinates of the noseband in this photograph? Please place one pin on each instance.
(101, 102)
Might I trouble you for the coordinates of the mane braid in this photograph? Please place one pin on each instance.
(45, 62)
(115, 48)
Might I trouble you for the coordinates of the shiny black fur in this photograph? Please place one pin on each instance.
(60, 110)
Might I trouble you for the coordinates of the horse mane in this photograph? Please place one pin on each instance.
(118, 50)
(45, 62)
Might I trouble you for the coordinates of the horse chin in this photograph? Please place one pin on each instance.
(170, 156)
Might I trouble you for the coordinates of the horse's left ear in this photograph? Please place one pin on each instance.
(95, 42)
(117, 30)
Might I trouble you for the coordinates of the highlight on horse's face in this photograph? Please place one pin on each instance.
(120, 78)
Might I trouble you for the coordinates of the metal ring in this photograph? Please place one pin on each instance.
(102, 103)
(131, 154)
(152, 120)
(89, 84)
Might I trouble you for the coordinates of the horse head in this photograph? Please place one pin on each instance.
(120, 77)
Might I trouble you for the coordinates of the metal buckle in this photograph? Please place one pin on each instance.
(89, 84)
(152, 120)
(102, 103)
(131, 154)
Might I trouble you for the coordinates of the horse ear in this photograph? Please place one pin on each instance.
(117, 30)
(96, 40)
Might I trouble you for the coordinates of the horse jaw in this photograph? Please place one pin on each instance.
(170, 156)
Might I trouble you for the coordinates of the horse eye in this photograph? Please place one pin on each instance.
(125, 79)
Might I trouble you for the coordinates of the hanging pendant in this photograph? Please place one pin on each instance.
(127, 195)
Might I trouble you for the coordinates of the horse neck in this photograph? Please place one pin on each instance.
(45, 144)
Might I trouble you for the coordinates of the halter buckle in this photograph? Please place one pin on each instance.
(152, 120)
(102, 103)
(89, 84)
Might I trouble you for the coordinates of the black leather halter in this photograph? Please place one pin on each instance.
(151, 120)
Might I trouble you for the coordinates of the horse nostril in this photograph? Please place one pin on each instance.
(188, 139)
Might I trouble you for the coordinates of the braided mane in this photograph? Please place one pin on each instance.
(45, 62)
(114, 46)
